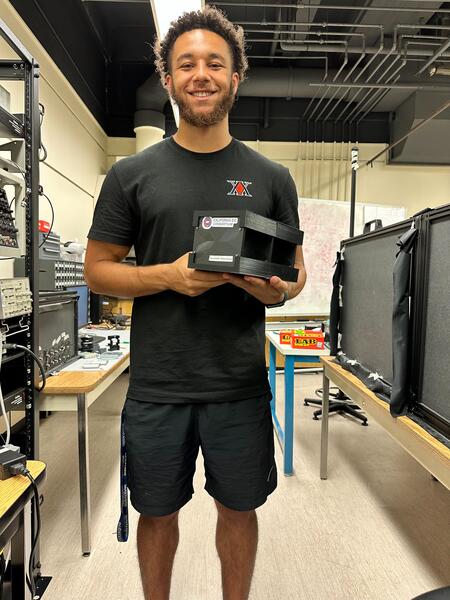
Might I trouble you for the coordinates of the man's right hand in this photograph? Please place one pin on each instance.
(191, 282)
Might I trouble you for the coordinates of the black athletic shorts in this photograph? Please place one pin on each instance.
(162, 444)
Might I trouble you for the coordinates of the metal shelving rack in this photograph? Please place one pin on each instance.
(24, 130)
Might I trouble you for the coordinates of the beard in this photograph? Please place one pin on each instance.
(217, 113)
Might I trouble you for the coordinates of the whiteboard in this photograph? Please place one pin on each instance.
(325, 224)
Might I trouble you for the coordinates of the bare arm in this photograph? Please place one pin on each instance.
(270, 291)
(105, 274)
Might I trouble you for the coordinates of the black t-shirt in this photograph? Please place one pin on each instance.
(209, 348)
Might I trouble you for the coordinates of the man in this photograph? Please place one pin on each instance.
(198, 375)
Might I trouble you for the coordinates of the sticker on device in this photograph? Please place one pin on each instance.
(208, 222)
(219, 258)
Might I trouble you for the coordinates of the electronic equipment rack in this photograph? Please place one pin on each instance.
(22, 171)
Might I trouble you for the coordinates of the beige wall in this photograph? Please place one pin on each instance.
(76, 144)
(324, 171)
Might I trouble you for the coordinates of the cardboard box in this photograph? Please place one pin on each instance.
(308, 340)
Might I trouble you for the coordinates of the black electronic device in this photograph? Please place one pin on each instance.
(394, 316)
(95, 308)
(10, 125)
(58, 329)
(54, 274)
(113, 342)
(86, 343)
(49, 245)
(12, 379)
(431, 348)
(367, 298)
(244, 243)
(8, 231)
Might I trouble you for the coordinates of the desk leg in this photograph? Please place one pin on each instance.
(288, 415)
(83, 465)
(273, 374)
(324, 430)
(19, 555)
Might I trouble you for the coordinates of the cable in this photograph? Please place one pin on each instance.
(35, 358)
(2, 401)
(20, 469)
(41, 143)
(45, 237)
(3, 194)
(22, 172)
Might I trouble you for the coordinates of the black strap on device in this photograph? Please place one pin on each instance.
(123, 525)
(401, 325)
(335, 308)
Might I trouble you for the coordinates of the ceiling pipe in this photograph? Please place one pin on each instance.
(377, 96)
(277, 82)
(375, 101)
(385, 86)
(311, 46)
(435, 56)
(355, 66)
(389, 9)
(323, 24)
(440, 70)
(368, 97)
(390, 52)
(342, 67)
(360, 73)
(276, 36)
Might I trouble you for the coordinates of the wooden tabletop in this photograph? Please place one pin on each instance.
(79, 382)
(11, 489)
(398, 427)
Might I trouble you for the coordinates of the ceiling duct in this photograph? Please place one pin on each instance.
(149, 118)
(431, 146)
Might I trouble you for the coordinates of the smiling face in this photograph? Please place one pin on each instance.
(201, 79)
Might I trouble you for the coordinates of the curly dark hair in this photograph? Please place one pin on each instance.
(212, 19)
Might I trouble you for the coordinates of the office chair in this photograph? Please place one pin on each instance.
(339, 405)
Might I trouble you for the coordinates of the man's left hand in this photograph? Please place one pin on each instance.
(267, 291)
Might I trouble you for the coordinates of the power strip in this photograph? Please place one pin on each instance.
(10, 457)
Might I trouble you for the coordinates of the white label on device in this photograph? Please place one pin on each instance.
(218, 258)
(224, 221)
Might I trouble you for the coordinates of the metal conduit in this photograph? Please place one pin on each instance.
(357, 93)
(334, 79)
(435, 56)
(367, 99)
(380, 50)
(335, 48)
(376, 99)
(349, 34)
(378, 96)
(336, 7)
(384, 86)
(390, 52)
(323, 24)
(345, 79)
